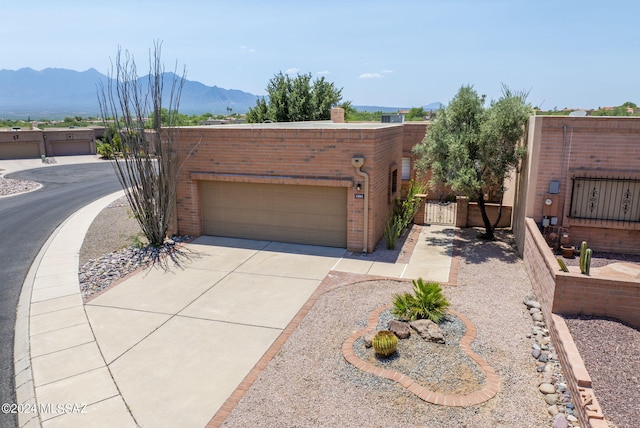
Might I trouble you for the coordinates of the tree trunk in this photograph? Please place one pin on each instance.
(495, 223)
(488, 227)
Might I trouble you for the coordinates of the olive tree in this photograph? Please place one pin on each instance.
(147, 163)
(472, 148)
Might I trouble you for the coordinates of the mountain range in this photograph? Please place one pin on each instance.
(55, 93)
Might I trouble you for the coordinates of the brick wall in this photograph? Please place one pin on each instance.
(293, 154)
(560, 148)
(474, 216)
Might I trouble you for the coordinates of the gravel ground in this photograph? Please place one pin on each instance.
(309, 384)
(611, 353)
(9, 186)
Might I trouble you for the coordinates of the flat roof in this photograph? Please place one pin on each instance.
(325, 124)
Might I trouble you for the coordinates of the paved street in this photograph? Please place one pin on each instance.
(26, 221)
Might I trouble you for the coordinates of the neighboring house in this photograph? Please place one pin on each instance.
(320, 183)
(582, 177)
(17, 143)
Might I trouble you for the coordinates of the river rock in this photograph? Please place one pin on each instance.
(547, 388)
(551, 398)
(428, 330)
(560, 421)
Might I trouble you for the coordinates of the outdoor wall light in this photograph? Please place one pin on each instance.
(358, 187)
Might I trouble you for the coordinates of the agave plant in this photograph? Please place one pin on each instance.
(427, 302)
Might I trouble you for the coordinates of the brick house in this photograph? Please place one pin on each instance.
(322, 183)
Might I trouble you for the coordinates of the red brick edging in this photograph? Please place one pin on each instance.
(488, 391)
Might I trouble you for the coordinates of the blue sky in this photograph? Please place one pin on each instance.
(567, 53)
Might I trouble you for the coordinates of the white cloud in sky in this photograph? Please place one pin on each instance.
(292, 70)
(322, 73)
(245, 49)
(371, 76)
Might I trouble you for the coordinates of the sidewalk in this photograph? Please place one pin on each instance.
(167, 348)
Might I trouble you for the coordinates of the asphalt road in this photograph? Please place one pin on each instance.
(26, 221)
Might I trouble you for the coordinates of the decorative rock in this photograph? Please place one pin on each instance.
(428, 330)
(544, 357)
(551, 398)
(572, 418)
(547, 388)
(368, 339)
(400, 329)
(535, 353)
(534, 310)
(532, 304)
(560, 421)
(537, 316)
(553, 410)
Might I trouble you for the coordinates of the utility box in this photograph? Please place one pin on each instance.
(392, 118)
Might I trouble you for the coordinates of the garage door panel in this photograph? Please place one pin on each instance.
(301, 214)
(19, 150)
(70, 148)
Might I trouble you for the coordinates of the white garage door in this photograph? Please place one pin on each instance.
(311, 215)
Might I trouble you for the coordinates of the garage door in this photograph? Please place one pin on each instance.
(19, 150)
(68, 148)
(311, 215)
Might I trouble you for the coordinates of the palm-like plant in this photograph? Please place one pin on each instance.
(427, 302)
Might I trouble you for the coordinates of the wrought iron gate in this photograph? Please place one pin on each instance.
(440, 212)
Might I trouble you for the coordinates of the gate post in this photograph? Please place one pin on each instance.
(462, 208)
(419, 216)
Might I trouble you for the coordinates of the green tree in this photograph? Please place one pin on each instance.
(416, 113)
(472, 148)
(295, 99)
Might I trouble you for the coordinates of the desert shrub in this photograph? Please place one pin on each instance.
(402, 215)
(427, 302)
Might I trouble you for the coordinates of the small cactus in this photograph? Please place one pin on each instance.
(585, 258)
(587, 261)
(583, 250)
(385, 343)
(563, 265)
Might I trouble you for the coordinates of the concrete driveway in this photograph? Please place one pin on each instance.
(169, 347)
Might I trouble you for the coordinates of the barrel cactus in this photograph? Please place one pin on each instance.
(385, 343)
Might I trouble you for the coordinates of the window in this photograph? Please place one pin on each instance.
(605, 199)
(406, 168)
(393, 183)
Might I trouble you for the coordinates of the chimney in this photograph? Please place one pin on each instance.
(337, 115)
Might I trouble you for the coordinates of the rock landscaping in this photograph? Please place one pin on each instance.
(552, 384)
(9, 186)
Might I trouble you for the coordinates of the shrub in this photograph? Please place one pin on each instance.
(427, 302)
(402, 216)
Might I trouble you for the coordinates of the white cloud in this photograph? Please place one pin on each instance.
(245, 49)
(292, 70)
(387, 71)
(322, 73)
(370, 76)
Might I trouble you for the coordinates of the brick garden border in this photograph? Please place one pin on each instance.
(488, 391)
